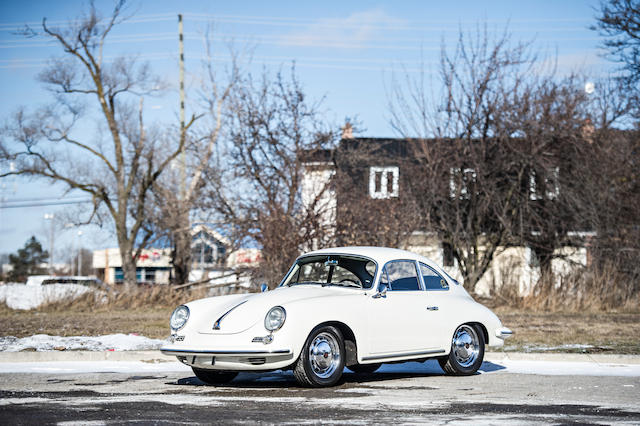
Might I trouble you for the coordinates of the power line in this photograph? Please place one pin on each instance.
(158, 17)
(42, 204)
(341, 22)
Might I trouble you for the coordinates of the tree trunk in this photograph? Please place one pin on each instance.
(181, 255)
(181, 251)
(545, 257)
(128, 264)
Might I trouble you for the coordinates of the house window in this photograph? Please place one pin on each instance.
(550, 187)
(383, 182)
(460, 180)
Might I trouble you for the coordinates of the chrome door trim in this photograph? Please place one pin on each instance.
(408, 354)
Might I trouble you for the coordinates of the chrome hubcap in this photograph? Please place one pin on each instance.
(324, 354)
(466, 345)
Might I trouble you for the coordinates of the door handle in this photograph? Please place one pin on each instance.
(432, 308)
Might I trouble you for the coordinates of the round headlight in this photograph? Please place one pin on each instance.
(275, 318)
(179, 317)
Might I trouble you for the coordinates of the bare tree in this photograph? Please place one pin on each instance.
(502, 153)
(177, 195)
(273, 127)
(619, 23)
(463, 179)
(551, 120)
(118, 165)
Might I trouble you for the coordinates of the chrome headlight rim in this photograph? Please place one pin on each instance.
(281, 322)
(179, 322)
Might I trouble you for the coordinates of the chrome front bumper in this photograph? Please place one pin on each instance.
(187, 352)
(232, 360)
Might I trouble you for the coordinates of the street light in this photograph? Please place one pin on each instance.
(589, 87)
(79, 253)
(50, 216)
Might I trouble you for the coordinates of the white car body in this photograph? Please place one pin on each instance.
(228, 332)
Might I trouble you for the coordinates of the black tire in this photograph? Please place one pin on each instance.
(322, 358)
(467, 351)
(214, 377)
(364, 368)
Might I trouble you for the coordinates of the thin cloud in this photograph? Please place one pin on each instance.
(351, 31)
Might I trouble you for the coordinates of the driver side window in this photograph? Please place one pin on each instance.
(401, 276)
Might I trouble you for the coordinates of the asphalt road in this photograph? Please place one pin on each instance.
(388, 397)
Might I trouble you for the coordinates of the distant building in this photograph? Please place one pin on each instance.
(209, 254)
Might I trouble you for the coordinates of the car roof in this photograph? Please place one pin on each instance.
(379, 254)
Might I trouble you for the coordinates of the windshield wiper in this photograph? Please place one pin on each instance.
(306, 282)
(348, 284)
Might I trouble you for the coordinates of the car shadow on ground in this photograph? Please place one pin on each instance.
(489, 367)
(285, 379)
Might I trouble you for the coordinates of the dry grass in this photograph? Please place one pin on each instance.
(142, 310)
(120, 299)
(614, 332)
(599, 307)
(596, 289)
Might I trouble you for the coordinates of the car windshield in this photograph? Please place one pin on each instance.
(347, 271)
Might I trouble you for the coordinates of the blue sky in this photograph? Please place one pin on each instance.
(345, 51)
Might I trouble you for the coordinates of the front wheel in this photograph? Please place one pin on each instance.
(322, 358)
(467, 351)
(214, 377)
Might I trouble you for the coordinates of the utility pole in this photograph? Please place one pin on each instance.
(183, 160)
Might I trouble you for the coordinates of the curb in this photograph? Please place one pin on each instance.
(156, 357)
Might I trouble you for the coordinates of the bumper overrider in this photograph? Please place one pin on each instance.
(503, 333)
(236, 360)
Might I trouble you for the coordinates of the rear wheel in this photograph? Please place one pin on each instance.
(364, 368)
(322, 359)
(467, 351)
(214, 377)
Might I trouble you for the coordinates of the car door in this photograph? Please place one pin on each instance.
(396, 318)
(437, 321)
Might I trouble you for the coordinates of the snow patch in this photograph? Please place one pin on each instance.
(111, 342)
(545, 348)
(21, 296)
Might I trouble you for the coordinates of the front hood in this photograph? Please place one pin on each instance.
(238, 313)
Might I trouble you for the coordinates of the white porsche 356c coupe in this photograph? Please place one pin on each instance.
(354, 307)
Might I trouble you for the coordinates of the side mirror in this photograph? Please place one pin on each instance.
(264, 287)
(382, 292)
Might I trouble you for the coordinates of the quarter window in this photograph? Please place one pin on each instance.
(402, 276)
(383, 182)
(432, 280)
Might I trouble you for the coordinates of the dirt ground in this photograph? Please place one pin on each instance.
(534, 331)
